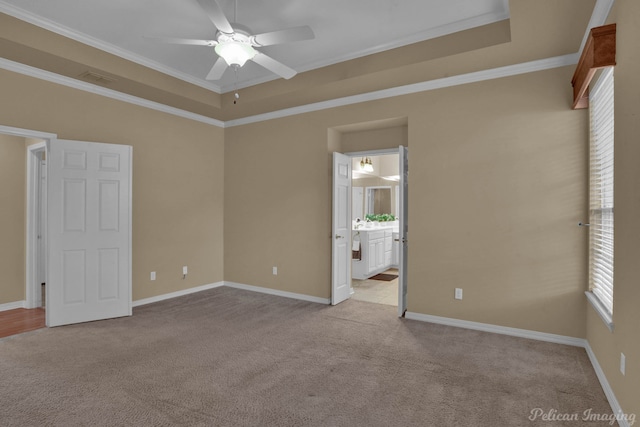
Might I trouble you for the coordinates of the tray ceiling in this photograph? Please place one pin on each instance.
(343, 30)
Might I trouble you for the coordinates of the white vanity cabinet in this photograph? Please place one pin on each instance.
(376, 246)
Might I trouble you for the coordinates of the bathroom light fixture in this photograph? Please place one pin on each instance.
(366, 165)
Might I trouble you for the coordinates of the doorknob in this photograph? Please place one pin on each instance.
(339, 236)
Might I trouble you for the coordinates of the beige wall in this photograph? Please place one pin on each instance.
(12, 218)
(497, 186)
(389, 136)
(178, 171)
(626, 300)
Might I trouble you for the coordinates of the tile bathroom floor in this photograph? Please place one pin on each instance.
(377, 291)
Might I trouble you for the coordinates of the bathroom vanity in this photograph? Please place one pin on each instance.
(378, 251)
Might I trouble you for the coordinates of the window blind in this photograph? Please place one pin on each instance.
(601, 190)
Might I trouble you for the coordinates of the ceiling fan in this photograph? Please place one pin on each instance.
(235, 45)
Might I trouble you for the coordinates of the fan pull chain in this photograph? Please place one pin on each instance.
(235, 86)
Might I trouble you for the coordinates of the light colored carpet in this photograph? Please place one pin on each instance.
(227, 357)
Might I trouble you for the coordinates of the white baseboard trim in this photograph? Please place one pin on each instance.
(13, 305)
(176, 294)
(534, 335)
(276, 292)
(608, 391)
(504, 330)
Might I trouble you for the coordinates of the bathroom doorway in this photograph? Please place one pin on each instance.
(376, 234)
(375, 227)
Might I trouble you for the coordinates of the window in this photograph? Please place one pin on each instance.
(601, 196)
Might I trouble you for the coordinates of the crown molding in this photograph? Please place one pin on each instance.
(62, 30)
(8, 130)
(37, 73)
(600, 13)
(598, 18)
(478, 76)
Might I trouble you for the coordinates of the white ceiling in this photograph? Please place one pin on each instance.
(343, 29)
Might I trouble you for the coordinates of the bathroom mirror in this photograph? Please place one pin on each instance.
(378, 200)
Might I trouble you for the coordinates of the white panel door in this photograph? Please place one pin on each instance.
(89, 232)
(403, 230)
(341, 229)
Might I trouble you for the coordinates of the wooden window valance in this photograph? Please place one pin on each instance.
(599, 52)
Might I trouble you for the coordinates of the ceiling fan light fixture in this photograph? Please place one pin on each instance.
(235, 52)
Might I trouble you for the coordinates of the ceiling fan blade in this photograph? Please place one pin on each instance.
(284, 36)
(217, 70)
(217, 16)
(274, 66)
(174, 40)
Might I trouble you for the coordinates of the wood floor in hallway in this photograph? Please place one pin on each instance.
(21, 320)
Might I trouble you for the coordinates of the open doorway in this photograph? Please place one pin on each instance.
(375, 217)
(36, 224)
(368, 227)
(28, 208)
(23, 226)
(78, 228)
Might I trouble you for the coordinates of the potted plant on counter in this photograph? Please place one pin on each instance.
(377, 219)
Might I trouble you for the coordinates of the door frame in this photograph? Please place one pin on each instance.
(381, 152)
(36, 258)
(32, 287)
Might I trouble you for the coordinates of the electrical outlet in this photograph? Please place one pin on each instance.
(458, 293)
(184, 270)
(275, 271)
(153, 275)
(623, 363)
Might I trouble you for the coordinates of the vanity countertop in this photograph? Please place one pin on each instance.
(377, 228)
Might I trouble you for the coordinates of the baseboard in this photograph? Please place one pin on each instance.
(534, 335)
(13, 305)
(276, 292)
(176, 294)
(504, 330)
(608, 391)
